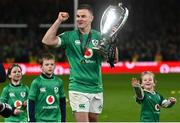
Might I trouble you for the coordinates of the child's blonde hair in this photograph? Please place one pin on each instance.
(145, 73)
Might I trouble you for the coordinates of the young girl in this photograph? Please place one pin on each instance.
(15, 94)
(150, 100)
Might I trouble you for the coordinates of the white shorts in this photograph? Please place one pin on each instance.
(86, 102)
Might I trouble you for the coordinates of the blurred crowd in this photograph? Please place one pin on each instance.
(152, 32)
(23, 45)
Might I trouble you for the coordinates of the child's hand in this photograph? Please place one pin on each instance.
(17, 111)
(172, 100)
(135, 82)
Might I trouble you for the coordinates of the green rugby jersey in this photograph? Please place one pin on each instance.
(84, 77)
(150, 107)
(46, 94)
(16, 96)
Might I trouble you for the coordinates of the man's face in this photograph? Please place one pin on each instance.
(84, 18)
(48, 66)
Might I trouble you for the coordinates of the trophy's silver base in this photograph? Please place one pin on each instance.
(100, 51)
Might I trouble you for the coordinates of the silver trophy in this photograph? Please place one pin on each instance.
(113, 19)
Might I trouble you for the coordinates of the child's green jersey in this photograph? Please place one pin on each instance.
(150, 110)
(16, 95)
(46, 93)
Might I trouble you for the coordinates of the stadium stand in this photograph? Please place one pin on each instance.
(152, 32)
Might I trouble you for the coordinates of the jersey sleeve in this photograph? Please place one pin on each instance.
(161, 99)
(27, 89)
(61, 90)
(139, 93)
(140, 100)
(64, 38)
(33, 90)
(4, 95)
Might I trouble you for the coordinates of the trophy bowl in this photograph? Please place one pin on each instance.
(113, 19)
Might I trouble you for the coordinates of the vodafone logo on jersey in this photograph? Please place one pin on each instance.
(18, 104)
(157, 107)
(50, 99)
(88, 53)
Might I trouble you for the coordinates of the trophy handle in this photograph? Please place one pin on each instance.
(124, 20)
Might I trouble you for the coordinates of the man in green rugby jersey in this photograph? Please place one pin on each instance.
(85, 82)
(46, 100)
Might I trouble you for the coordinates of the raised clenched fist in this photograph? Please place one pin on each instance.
(63, 16)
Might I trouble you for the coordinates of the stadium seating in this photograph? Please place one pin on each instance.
(151, 32)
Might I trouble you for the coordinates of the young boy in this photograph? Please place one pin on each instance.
(150, 100)
(46, 96)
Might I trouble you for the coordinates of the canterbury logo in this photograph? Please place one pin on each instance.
(157, 107)
(77, 42)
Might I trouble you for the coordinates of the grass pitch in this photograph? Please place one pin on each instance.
(119, 102)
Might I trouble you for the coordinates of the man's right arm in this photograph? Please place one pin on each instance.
(51, 38)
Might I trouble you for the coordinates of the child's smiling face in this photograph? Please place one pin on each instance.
(16, 74)
(148, 82)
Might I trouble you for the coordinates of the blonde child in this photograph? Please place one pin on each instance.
(150, 100)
